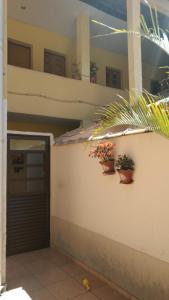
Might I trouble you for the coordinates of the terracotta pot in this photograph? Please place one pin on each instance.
(126, 176)
(108, 167)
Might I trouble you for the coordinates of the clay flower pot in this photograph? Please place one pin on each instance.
(126, 176)
(108, 167)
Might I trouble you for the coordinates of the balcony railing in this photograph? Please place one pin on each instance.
(38, 93)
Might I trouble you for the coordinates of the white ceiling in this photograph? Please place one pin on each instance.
(60, 16)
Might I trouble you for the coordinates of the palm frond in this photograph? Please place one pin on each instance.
(112, 32)
(143, 112)
(154, 33)
(166, 72)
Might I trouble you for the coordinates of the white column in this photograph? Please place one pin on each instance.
(3, 138)
(134, 46)
(83, 45)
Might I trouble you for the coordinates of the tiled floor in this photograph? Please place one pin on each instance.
(49, 275)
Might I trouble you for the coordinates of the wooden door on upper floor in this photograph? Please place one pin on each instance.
(54, 63)
(19, 54)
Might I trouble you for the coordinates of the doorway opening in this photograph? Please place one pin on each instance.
(28, 193)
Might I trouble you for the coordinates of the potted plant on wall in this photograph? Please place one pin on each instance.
(105, 153)
(125, 168)
(93, 72)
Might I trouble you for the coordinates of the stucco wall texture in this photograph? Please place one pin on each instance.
(120, 231)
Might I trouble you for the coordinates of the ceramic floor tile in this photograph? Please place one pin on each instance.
(48, 275)
(94, 281)
(26, 258)
(107, 293)
(42, 294)
(12, 262)
(51, 276)
(87, 296)
(39, 266)
(73, 270)
(17, 272)
(78, 273)
(48, 251)
(66, 289)
(59, 260)
(29, 283)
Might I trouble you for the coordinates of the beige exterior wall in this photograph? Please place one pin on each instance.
(119, 230)
(105, 59)
(41, 39)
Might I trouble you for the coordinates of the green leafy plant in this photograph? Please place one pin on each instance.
(103, 151)
(123, 162)
(142, 111)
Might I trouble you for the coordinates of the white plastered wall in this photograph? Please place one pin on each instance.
(135, 215)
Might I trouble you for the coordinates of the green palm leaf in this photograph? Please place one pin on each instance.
(143, 112)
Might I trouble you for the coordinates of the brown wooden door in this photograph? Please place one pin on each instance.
(19, 54)
(54, 63)
(113, 78)
(28, 183)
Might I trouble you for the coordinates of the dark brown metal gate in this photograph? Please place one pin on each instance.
(28, 193)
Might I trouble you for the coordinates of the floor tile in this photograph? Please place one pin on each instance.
(26, 258)
(73, 270)
(59, 260)
(17, 294)
(48, 251)
(87, 296)
(51, 276)
(94, 281)
(48, 275)
(66, 289)
(17, 272)
(78, 273)
(107, 293)
(42, 294)
(39, 266)
(29, 283)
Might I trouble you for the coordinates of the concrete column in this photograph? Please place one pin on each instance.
(134, 46)
(83, 46)
(3, 138)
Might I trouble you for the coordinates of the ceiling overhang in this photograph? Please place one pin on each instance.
(118, 9)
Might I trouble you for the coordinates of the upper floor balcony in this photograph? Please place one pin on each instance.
(32, 92)
(57, 69)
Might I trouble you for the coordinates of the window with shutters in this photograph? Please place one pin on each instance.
(113, 78)
(19, 54)
(54, 63)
